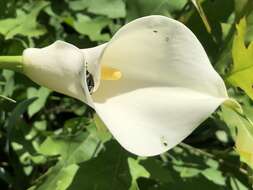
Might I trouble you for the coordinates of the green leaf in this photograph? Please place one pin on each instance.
(40, 125)
(15, 116)
(158, 170)
(41, 94)
(90, 27)
(244, 142)
(243, 8)
(10, 84)
(19, 110)
(244, 135)
(183, 170)
(240, 6)
(214, 175)
(241, 74)
(24, 24)
(231, 119)
(72, 150)
(109, 170)
(249, 34)
(237, 185)
(139, 8)
(136, 171)
(79, 5)
(109, 8)
(189, 172)
(60, 177)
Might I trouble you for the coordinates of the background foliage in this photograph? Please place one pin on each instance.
(53, 142)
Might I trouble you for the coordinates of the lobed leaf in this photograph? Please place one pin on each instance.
(241, 73)
(24, 24)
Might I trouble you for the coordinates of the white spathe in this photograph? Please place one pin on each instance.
(168, 86)
(60, 67)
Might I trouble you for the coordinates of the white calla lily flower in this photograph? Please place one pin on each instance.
(152, 84)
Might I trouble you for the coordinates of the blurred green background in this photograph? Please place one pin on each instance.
(53, 142)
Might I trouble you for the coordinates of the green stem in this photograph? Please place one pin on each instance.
(14, 63)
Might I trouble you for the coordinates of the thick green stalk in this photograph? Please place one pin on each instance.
(14, 63)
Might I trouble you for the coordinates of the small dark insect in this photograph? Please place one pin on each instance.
(90, 81)
(155, 31)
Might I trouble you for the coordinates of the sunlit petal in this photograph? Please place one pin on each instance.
(168, 86)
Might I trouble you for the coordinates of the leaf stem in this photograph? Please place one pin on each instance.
(14, 63)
